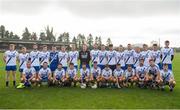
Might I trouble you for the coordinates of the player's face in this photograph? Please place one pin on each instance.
(129, 68)
(23, 50)
(63, 49)
(73, 48)
(106, 68)
(84, 66)
(129, 47)
(120, 49)
(95, 65)
(141, 62)
(28, 65)
(11, 47)
(35, 47)
(145, 47)
(44, 48)
(71, 66)
(95, 46)
(167, 44)
(154, 47)
(59, 66)
(45, 65)
(151, 63)
(118, 67)
(84, 47)
(53, 48)
(110, 48)
(103, 47)
(137, 49)
(165, 67)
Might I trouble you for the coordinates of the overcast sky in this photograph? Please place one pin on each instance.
(125, 21)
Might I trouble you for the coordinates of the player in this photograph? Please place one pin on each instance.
(146, 54)
(23, 58)
(53, 59)
(73, 57)
(111, 58)
(44, 75)
(63, 57)
(44, 55)
(72, 75)
(94, 54)
(34, 58)
(10, 58)
(59, 76)
(153, 76)
(130, 76)
(102, 57)
(85, 78)
(141, 72)
(137, 56)
(120, 57)
(28, 76)
(119, 76)
(95, 74)
(107, 78)
(155, 54)
(129, 56)
(167, 55)
(168, 78)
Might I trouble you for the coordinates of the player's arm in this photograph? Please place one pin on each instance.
(4, 57)
(49, 75)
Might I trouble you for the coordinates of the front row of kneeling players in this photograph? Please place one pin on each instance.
(142, 76)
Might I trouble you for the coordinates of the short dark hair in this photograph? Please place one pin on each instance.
(110, 45)
(167, 41)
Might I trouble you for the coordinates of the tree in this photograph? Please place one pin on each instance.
(2, 31)
(50, 36)
(33, 36)
(42, 36)
(74, 40)
(90, 41)
(11, 35)
(99, 41)
(108, 42)
(6, 34)
(16, 36)
(81, 40)
(26, 34)
(96, 40)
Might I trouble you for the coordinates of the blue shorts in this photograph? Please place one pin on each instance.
(87, 66)
(11, 68)
(76, 66)
(20, 70)
(65, 68)
(44, 80)
(53, 67)
(160, 66)
(123, 68)
(37, 68)
(101, 66)
(126, 65)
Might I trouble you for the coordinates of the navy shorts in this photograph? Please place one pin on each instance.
(11, 68)
(37, 68)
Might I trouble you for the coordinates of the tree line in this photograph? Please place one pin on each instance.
(48, 35)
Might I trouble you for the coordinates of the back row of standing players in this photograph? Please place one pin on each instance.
(125, 58)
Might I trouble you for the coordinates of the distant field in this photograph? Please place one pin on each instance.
(55, 97)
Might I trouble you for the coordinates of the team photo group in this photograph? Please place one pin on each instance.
(104, 67)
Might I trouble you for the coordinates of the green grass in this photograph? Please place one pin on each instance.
(54, 97)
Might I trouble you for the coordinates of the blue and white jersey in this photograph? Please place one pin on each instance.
(59, 73)
(94, 56)
(166, 75)
(103, 57)
(119, 73)
(73, 57)
(166, 55)
(95, 71)
(106, 73)
(111, 56)
(53, 58)
(44, 73)
(120, 58)
(141, 71)
(156, 55)
(129, 57)
(153, 70)
(23, 58)
(44, 57)
(34, 56)
(71, 72)
(137, 57)
(84, 73)
(146, 55)
(28, 72)
(63, 58)
(11, 57)
(129, 74)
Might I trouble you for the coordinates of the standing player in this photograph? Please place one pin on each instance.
(155, 54)
(44, 56)
(73, 57)
(94, 54)
(137, 56)
(10, 58)
(34, 57)
(120, 57)
(146, 54)
(129, 56)
(119, 76)
(168, 77)
(102, 57)
(167, 55)
(53, 59)
(111, 58)
(23, 58)
(95, 73)
(63, 57)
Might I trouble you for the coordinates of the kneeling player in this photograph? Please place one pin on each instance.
(45, 75)
(85, 78)
(95, 74)
(59, 75)
(119, 76)
(153, 77)
(28, 76)
(141, 72)
(130, 76)
(168, 77)
(107, 79)
(72, 75)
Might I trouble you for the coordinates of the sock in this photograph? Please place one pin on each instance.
(7, 83)
(14, 83)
